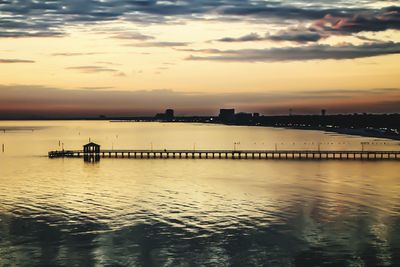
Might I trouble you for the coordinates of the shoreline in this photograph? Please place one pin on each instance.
(349, 131)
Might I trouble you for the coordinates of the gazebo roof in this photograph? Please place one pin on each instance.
(92, 144)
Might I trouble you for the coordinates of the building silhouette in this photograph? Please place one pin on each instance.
(226, 115)
(243, 118)
(168, 115)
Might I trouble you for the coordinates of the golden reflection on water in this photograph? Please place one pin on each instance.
(292, 206)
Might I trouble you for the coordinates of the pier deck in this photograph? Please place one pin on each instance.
(232, 154)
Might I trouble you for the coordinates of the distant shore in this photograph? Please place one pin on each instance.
(349, 131)
(385, 126)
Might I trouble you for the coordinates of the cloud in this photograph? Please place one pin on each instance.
(69, 54)
(329, 25)
(293, 35)
(40, 100)
(13, 60)
(120, 74)
(286, 11)
(312, 52)
(108, 63)
(132, 36)
(206, 51)
(92, 69)
(95, 88)
(342, 23)
(386, 19)
(97, 69)
(30, 34)
(297, 35)
(160, 44)
(246, 38)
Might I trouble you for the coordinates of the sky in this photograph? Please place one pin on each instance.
(137, 57)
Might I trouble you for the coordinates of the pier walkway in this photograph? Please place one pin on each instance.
(231, 154)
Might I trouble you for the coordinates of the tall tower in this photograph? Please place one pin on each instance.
(169, 114)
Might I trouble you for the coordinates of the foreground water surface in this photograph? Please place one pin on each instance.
(184, 212)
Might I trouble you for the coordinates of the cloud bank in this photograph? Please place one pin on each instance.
(312, 52)
(49, 18)
(300, 22)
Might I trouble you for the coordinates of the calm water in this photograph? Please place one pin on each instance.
(126, 212)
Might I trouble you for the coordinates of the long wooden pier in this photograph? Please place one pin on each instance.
(231, 154)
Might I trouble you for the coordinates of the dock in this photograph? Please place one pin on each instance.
(93, 152)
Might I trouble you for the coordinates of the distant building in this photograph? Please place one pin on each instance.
(323, 112)
(243, 118)
(159, 116)
(167, 116)
(256, 118)
(227, 115)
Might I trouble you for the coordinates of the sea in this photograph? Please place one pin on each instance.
(193, 212)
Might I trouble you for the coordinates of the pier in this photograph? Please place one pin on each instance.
(93, 152)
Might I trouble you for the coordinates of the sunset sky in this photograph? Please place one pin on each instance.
(138, 57)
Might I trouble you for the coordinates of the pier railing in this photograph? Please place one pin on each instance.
(232, 154)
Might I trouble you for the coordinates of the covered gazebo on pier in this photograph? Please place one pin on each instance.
(91, 148)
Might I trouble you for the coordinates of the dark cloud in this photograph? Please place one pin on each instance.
(23, 34)
(29, 18)
(330, 25)
(313, 52)
(293, 35)
(277, 11)
(245, 38)
(342, 23)
(297, 35)
(385, 19)
(13, 60)
(18, 99)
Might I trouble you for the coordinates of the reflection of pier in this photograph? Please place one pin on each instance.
(93, 153)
